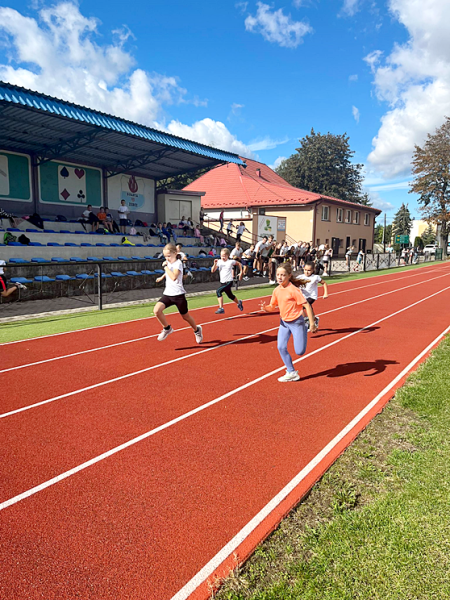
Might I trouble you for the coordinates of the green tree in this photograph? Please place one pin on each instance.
(378, 234)
(418, 242)
(429, 235)
(431, 170)
(323, 165)
(402, 221)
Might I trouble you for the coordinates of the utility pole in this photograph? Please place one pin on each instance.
(384, 235)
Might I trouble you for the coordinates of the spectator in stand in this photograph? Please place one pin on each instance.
(13, 220)
(124, 215)
(260, 246)
(240, 230)
(89, 217)
(211, 252)
(202, 252)
(113, 227)
(230, 227)
(171, 232)
(102, 219)
(222, 243)
(276, 259)
(166, 232)
(248, 257)
(201, 217)
(198, 235)
(160, 234)
(4, 290)
(237, 251)
(221, 222)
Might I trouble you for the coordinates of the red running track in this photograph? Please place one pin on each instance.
(135, 489)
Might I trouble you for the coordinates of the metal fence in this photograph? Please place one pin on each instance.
(376, 262)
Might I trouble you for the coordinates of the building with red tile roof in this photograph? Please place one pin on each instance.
(257, 191)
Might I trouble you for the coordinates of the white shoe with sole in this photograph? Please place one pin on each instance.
(164, 333)
(199, 334)
(290, 376)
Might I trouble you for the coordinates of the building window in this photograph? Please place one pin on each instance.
(356, 217)
(348, 216)
(339, 215)
(366, 219)
(325, 213)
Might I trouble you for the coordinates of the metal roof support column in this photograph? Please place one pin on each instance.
(34, 182)
(105, 188)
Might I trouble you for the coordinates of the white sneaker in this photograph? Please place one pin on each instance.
(199, 334)
(307, 323)
(246, 278)
(164, 333)
(316, 322)
(290, 376)
(272, 282)
(20, 285)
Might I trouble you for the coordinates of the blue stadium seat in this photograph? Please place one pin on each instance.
(18, 261)
(43, 278)
(147, 272)
(70, 244)
(58, 259)
(65, 231)
(84, 276)
(50, 231)
(21, 280)
(76, 259)
(94, 258)
(159, 271)
(15, 244)
(136, 257)
(38, 259)
(35, 244)
(53, 244)
(86, 245)
(101, 245)
(123, 258)
(115, 245)
(134, 273)
(64, 278)
(117, 274)
(139, 245)
(13, 229)
(34, 230)
(103, 275)
(109, 258)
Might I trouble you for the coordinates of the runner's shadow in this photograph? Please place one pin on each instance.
(344, 369)
(256, 339)
(319, 334)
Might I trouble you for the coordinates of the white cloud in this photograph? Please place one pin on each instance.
(298, 3)
(388, 187)
(415, 82)
(212, 133)
(355, 113)
(56, 53)
(350, 7)
(378, 202)
(353, 78)
(266, 143)
(277, 162)
(276, 27)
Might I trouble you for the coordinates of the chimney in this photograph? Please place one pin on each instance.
(258, 172)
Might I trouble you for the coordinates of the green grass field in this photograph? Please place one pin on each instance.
(35, 327)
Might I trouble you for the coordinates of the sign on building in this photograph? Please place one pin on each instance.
(138, 193)
(15, 176)
(267, 226)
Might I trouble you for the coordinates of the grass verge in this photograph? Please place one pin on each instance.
(377, 525)
(36, 327)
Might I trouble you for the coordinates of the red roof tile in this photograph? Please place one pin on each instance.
(233, 186)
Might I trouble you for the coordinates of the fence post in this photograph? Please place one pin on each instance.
(100, 288)
(364, 262)
(378, 261)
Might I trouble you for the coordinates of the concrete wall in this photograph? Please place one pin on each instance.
(299, 222)
(172, 207)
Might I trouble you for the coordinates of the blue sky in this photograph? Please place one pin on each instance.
(250, 77)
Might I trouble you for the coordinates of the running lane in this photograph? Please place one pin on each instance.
(142, 522)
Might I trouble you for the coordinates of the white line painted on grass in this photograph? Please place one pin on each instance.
(47, 360)
(150, 301)
(97, 459)
(243, 534)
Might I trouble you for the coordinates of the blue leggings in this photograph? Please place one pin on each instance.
(297, 329)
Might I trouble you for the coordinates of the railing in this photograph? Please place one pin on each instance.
(375, 262)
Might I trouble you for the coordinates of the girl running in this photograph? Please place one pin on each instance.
(225, 266)
(291, 303)
(174, 294)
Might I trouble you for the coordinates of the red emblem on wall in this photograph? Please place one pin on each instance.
(132, 184)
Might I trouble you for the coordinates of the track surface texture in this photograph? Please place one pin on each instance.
(134, 469)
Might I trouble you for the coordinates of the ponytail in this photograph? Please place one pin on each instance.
(297, 281)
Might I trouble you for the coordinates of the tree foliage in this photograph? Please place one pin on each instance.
(180, 181)
(418, 242)
(323, 165)
(378, 238)
(431, 170)
(429, 235)
(402, 222)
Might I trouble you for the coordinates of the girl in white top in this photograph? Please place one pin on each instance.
(225, 266)
(311, 291)
(174, 294)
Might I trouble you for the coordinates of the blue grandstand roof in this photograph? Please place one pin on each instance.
(90, 122)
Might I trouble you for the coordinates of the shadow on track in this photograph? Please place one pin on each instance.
(319, 334)
(344, 369)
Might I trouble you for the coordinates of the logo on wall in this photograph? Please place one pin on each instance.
(4, 175)
(72, 184)
(133, 191)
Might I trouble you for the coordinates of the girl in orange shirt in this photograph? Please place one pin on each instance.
(291, 302)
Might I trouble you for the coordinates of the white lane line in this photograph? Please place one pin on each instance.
(47, 360)
(93, 461)
(243, 534)
(198, 308)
